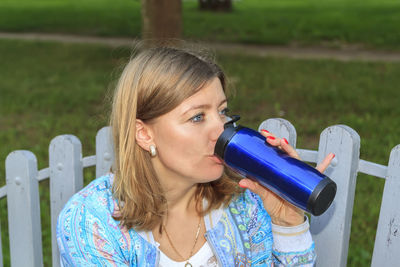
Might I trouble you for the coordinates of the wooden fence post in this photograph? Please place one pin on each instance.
(104, 151)
(23, 209)
(1, 250)
(66, 178)
(387, 241)
(331, 230)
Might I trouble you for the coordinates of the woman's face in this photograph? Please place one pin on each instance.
(185, 137)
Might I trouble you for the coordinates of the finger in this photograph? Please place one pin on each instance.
(325, 163)
(248, 184)
(274, 141)
(271, 139)
(281, 143)
(266, 133)
(291, 151)
(253, 186)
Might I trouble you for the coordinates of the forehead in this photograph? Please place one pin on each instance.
(211, 93)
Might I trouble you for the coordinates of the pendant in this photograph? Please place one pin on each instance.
(188, 264)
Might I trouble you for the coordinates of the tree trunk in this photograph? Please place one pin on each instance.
(216, 5)
(162, 20)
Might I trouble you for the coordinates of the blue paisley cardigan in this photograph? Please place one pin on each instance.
(240, 234)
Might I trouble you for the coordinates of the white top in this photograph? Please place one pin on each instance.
(203, 258)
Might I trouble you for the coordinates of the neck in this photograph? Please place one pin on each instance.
(179, 193)
(182, 222)
(180, 199)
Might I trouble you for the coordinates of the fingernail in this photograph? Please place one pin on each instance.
(271, 137)
(286, 141)
(333, 156)
(263, 130)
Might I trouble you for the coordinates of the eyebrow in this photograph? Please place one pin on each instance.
(205, 106)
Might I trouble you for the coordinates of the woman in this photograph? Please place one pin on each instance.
(169, 201)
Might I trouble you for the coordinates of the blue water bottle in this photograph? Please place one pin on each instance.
(247, 152)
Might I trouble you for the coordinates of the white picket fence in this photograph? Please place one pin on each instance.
(331, 231)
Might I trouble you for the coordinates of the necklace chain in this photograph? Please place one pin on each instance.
(195, 242)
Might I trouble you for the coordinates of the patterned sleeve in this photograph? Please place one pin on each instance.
(86, 239)
(293, 246)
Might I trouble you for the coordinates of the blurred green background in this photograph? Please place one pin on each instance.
(49, 88)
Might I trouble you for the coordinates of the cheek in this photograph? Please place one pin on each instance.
(183, 142)
(188, 154)
(180, 147)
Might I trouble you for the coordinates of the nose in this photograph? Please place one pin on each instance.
(217, 127)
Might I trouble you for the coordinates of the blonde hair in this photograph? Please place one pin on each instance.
(154, 82)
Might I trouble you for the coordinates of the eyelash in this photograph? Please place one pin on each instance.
(223, 112)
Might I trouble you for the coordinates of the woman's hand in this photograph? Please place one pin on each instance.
(281, 212)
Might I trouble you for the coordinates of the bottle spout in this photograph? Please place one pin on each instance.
(231, 122)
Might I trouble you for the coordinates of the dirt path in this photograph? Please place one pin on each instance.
(344, 54)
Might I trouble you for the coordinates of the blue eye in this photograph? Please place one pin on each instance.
(224, 112)
(197, 118)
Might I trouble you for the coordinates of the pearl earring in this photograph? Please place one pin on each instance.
(153, 151)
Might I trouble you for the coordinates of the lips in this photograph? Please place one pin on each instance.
(216, 159)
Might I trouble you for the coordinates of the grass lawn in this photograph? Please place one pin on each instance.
(370, 23)
(47, 89)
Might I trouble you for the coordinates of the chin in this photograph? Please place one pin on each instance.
(214, 174)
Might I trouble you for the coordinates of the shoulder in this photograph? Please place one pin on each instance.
(96, 196)
(86, 230)
(91, 206)
(100, 187)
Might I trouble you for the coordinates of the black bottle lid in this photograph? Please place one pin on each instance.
(321, 197)
(230, 129)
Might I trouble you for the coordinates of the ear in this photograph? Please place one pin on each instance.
(144, 135)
